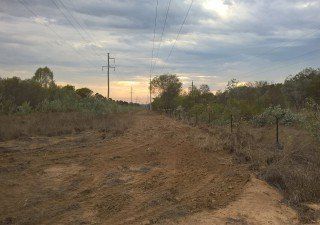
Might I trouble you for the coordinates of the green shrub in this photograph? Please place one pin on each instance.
(268, 117)
(24, 109)
(311, 119)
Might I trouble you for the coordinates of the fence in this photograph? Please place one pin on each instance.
(207, 118)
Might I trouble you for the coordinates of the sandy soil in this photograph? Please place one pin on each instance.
(155, 173)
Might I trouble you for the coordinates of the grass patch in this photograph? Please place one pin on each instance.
(294, 170)
(51, 124)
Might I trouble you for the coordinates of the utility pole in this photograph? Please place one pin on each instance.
(192, 93)
(150, 94)
(131, 94)
(108, 67)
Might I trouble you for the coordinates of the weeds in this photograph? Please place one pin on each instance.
(50, 124)
(295, 170)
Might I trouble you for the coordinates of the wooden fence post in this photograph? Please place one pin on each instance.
(196, 118)
(231, 123)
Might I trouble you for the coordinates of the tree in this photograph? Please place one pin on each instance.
(99, 96)
(168, 87)
(233, 83)
(68, 87)
(302, 86)
(84, 92)
(204, 89)
(14, 92)
(44, 76)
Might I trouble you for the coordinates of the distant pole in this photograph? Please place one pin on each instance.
(150, 94)
(192, 93)
(131, 94)
(108, 67)
(108, 75)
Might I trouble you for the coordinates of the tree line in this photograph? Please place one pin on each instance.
(258, 102)
(40, 93)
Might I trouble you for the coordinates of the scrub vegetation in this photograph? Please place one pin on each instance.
(272, 127)
(38, 106)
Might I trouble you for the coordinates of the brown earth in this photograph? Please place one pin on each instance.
(157, 172)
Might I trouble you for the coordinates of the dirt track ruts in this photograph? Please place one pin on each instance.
(155, 173)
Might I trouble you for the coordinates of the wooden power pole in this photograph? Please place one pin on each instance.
(108, 69)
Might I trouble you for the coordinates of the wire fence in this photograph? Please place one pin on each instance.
(207, 118)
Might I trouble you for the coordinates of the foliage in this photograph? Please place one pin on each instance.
(168, 88)
(24, 109)
(260, 102)
(40, 94)
(43, 76)
(312, 118)
(269, 116)
(84, 92)
(14, 92)
(302, 86)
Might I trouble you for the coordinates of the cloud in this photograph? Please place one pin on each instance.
(221, 39)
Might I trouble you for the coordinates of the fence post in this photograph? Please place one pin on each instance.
(231, 123)
(279, 146)
(277, 131)
(196, 118)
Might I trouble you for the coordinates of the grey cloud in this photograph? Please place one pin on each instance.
(214, 46)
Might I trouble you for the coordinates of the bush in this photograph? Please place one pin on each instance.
(268, 117)
(311, 119)
(24, 109)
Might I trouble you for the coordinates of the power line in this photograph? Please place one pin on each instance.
(25, 5)
(270, 50)
(71, 23)
(153, 45)
(84, 24)
(179, 32)
(154, 34)
(80, 26)
(288, 59)
(162, 33)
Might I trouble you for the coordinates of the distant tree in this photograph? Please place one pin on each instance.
(84, 92)
(204, 89)
(99, 96)
(302, 86)
(14, 92)
(233, 83)
(168, 87)
(68, 88)
(44, 76)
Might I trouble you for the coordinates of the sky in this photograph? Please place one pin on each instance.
(249, 40)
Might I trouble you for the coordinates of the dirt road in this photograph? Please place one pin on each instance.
(158, 172)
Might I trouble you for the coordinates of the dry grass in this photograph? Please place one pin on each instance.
(295, 169)
(51, 124)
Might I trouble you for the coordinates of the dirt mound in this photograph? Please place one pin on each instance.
(259, 204)
(156, 173)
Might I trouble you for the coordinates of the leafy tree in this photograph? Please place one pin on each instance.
(168, 87)
(84, 92)
(14, 92)
(204, 89)
(68, 88)
(302, 86)
(44, 76)
(100, 96)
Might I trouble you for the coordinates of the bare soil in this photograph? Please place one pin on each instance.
(155, 173)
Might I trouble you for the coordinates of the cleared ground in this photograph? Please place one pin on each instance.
(157, 172)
